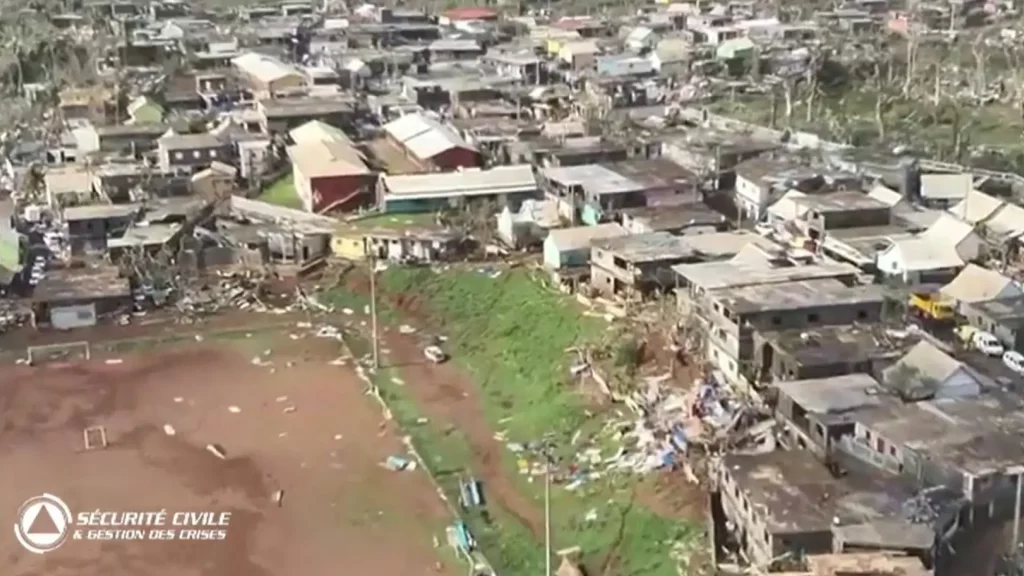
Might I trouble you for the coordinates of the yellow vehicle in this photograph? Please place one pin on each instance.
(932, 306)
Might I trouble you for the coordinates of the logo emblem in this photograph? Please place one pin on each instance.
(43, 523)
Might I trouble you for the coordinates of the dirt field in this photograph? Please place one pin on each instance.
(342, 512)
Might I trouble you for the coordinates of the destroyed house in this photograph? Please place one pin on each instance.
(787, 503)
(636, 265)
(828, 351)
(77, 297)
(88, 227)
(969, 445)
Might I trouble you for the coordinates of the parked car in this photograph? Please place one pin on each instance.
(1014, 361)
(987, 343)
(435, 354)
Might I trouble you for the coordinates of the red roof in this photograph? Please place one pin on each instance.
(470, 13)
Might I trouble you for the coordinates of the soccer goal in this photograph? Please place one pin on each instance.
(65, 352)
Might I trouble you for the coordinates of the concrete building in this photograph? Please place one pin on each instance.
(735, 298)
(788, 502)
(570, 248)
(75, 298)
(502, 185)
(636, 265)
(1003, 317)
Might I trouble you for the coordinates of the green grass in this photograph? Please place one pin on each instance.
(511, 334)
(281, 192)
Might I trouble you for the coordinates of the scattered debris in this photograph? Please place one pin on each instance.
(113, 361)
(169, 430)
(398, 463)
(95, 437)
(234, 409)
(279, 498)
(217, 450)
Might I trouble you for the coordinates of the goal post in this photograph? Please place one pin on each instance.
(67, 351)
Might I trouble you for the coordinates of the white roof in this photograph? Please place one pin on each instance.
(786, 208)
(946, 186)
(264, 68)
(948, 230)
(976, 207)
(886, 195)
(472, 182)
(922, 254)
(1007, 222)
(977, 284)
(580, 237)
(423, 136)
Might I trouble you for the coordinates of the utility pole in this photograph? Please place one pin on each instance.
(547, 518)
(1016, 513)
(373, 310)
(548, 464)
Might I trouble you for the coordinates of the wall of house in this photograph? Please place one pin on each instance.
(454, 158)
(344, 193)
(556, 258)
(753, 531)
(751, 198)
(856, 218)
(1006, 332)
(352, 247)
(193, 159)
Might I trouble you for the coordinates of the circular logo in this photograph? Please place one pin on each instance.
(43, 523)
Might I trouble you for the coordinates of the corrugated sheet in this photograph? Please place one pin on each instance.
(262, 67)
(424, 137)
(499, 180)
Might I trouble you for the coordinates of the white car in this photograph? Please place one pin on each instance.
(435, 354)
(1014, 361)
(987, 343)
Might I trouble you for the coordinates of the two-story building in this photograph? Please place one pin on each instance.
(735, 298)
(190, 153)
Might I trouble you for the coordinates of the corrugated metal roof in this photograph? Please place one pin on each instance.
(327, 158)
(264, 68)
(976, 284)
(976, 207)
(317, 131)
(594, 179)
(500, 180)
(1008, 221)
(424, 137)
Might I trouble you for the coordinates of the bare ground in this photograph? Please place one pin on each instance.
(342, 512)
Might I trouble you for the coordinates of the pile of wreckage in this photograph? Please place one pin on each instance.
(667, 426)
(246, 291)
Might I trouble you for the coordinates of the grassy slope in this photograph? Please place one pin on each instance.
(512, 334)
(281, 192)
